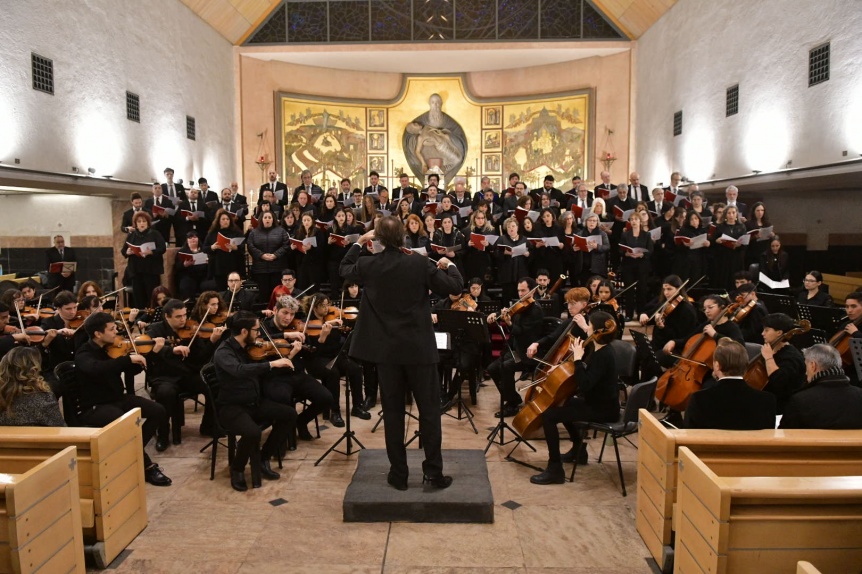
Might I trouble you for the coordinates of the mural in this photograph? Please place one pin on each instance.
(436, 126)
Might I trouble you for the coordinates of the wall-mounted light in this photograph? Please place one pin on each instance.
(91, 170)
(755, 171)
(74, 169)
(108, 176)
(788, 164)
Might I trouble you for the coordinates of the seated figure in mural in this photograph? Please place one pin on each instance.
(435, 140)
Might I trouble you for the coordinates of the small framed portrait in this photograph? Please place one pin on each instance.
(377, 163)
(492, 117)
(492, 162)
(376, 141)
(376, 118)
(492, 140)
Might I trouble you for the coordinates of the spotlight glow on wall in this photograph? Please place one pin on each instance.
(8, 131)
(98, 141)
(169, 151)
(767, 141)
(699, 153)
(853, 121)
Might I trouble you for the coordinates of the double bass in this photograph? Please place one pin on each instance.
(755, 374)
(678, 383)
(555, 383)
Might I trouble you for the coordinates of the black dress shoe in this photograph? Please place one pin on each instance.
(161, 444)
(369, 403)
(509, 411)
(396, 482)
(554, 474)
(438, 481)
(446, 404)
(266, 470)
(302, 432)
(336, 420)
(156, 477)
(359, 413)
(583, 457)
(237, 480)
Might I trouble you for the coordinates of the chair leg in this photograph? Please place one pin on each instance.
(604, 442)
(213, 458)
(577, 448)
(619, 464)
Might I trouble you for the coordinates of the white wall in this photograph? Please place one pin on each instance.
(699, 48)
(157, 49)
(65, 215)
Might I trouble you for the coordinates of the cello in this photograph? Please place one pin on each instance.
(841, 342)
(676, 385)
(755, 374)
(557, 384)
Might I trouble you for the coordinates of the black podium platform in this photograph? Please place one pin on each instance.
(469, 500)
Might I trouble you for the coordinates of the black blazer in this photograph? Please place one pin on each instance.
(201, 226)
(731, 405)
(665, 206)
(52, 255)
(127, 219)
(394, 324)
(275, 187)
(643, 196)
(828, 402)
(181, 191)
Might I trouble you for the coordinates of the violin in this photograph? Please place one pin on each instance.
(140, 345)
(78, 319)
(41, 312)
(755, 374)
(314, 327)
(297, 326)
(520, 305)
(743, 311)
(841, 342)
(464, 303)
(555, 380)
(186, 333)
(262, 349)
(676, 385)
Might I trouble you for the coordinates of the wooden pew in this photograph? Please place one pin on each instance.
(842, 285)
(110, 474)
(755, 524)
(728, 453)
(40, 518)
(806, 568)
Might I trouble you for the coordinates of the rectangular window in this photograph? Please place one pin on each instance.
(43, 74)
(677, 123)
(133, 107)
(733, 100)
(818, 65)
(190, 127)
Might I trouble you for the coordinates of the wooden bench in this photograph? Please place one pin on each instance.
(842, 285)
(756, 524)
(728, 453)
(110, 473)
(40, 518)
(806, 568)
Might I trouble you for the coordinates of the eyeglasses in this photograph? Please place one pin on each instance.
(809, 280)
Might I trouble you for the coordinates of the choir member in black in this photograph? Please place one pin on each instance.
(334, 252)
(511, 200)
(678, 323)
(751, 324)
(698, 205)
(61, 340)
(415, 236)
(664, 252)
(600, 208)
(290, 225)
(730, 404)
(447, 207)
(189, 275)
(403, 211)
(290, 387)
(775, 263)
(305, 204)
(624, 203)
(829, 400)
(785, 364)
(635, 265)
(137, 205)
(312, 261)
(658, 206)
(267, 244)
(572, 260)
(268, 203)
(581, 201)
(544, 257)
(449, 236)
(729, 256)
(459, 195)
(307, 186)
(145, 264)
(595, 260)
(510, 268)
(174, 367)
(432, 224)
(242, 406)
(597, 400)
(366, 210)
(199, 223)
(477, 260)
(811, 293)
(161, 222)
(100, 388)
(327, 344)
(524, 328)
(236, 296)
(223, 259)
(713, 308)
(758, 220)
(403, 188)
(691, 263)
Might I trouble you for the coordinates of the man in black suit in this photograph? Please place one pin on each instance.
(394, 331)
(485, 186)
(637, 191)
(583, 200)
(200, 224)
(605, 185)
(658, 205)
(674, 187)
(732, 195)
(162, 222)
(402, 189)
(236, 195)
(730, 404)
(228, 203)
(275, 187)
(60, 253)
(314, 191)
(137, 205)
(828, 401)
(547, 187)
(375, 187)
(206, 194)
(171, 189)
(624, 201)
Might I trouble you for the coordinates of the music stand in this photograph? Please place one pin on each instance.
(464, 325)
(856, 353)
(777, 303)
(488, 307)
(804, 340)
(645, 350)
(348, 435)
(827, 319)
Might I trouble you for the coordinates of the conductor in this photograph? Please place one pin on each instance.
(394, 331)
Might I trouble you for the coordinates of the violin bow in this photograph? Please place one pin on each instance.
(18, 312)
(39, 305)
(131, 339)
(341, 309)
(206, 314)
(675, 293)
(232, 296)
(274, 346)
(306, 290)
(624, 290)
(308, 315)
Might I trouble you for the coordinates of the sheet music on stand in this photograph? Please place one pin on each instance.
(856, 353)
(444, 341)
(472, 323)
(776, 303)
(824, 318)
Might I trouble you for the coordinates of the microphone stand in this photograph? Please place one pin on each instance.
(348, 434)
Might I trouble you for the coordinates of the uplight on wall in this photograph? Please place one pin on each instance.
(97, 139)
(767, 140)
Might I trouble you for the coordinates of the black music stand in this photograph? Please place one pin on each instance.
(804, 340)
(827, 319)
(502, 426)
(645, 350)
(777, 303)
(856, 353)
(464, 326)
(348, 435)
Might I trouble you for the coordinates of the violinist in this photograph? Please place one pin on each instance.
(597, 399)
(853, 306)
(210, 305)
(476, 289)
(750, 315)
(89, 288)
(61, 340)
(730, 404)
(326, 339)
(9, 335)
(101, 388)
(243, 407)
(607, 302)
(189, 275)
(243, 299)
(290, 387)
(154, 313)
(677, 319)
(28, 291)
(14, 299)
(524, 327)
(784, 363)
(174, 368)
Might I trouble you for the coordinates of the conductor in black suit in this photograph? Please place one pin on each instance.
(730, 404)
(60, 253)
(394, 331)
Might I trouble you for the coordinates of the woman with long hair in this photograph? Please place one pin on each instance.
(334, 252)
(311, 258)
(759, 245)
(511, 268)
(415, 236)
(775, 261)
(224, 260)
(25, 397)
(327, 209)
(636, 264)
(477, 260)
(89, 288)
(729, 256)
(367, 209)
(691, 263)
(449, 236)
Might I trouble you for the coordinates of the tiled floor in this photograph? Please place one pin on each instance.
(198, 525)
